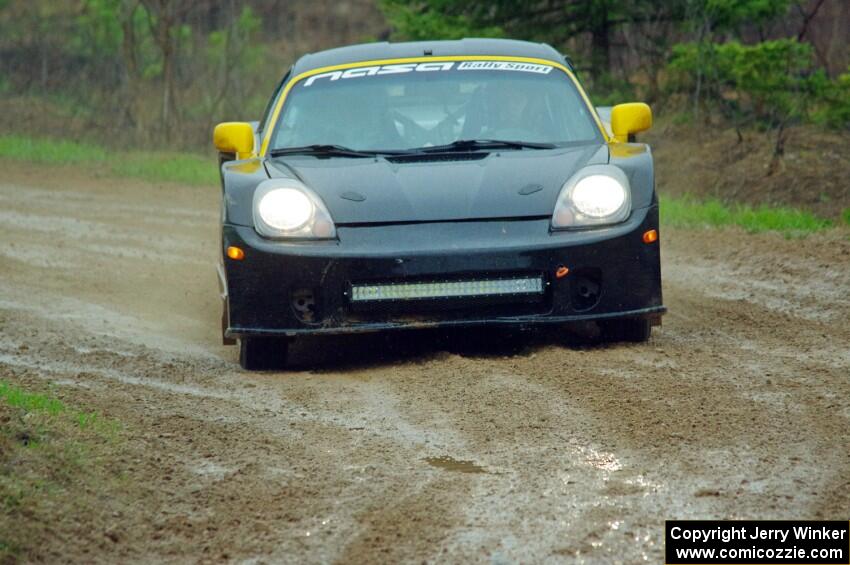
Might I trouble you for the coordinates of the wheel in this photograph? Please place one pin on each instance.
(635, 330)
(262, 353)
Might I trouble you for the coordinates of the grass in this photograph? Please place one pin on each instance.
(187, 168)
(30, 402)
(184, 168)
(688, 212)
(52, 456)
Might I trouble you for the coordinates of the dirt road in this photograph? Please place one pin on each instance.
(401, 448)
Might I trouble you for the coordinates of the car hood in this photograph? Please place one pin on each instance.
(506, 184)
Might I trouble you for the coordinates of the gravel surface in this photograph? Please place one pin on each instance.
(419, 446)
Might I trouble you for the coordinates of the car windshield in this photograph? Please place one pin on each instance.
(416, 105)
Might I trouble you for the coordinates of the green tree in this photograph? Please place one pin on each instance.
(773, 83)
(233, 54)
(552, 21)
(710, 20)
(726, 15)
(833, 108)
(166, 20)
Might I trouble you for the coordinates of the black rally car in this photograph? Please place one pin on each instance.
(443, 183)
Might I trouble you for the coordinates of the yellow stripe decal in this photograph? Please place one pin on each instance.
(277, 109)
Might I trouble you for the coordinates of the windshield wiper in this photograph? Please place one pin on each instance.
(473, 144)
(459, 145)
(330, 150)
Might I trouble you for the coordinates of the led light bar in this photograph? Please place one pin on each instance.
(449, 289)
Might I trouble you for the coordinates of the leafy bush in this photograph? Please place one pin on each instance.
(834, 104)
(730, 14)
(606, 90)
(771, 81)
(434, 19)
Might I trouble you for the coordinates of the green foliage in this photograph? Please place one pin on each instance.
(845, 215)
(771, 81)
(98, 29)
(109, 57)
(42, 404)
(236, 47)
(182, 168)
(834, 101)
(104, 56)
(30, 402)
(769, 72)
(87, 420)
(607, 90)
(251, 51)
(589, 27)
(237, 63)
(436, 19)
(553, 22)
(729, 14)
(690, 213)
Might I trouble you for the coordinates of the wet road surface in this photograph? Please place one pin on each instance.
(420, 446)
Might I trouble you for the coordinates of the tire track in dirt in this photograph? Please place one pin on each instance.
(737, 408)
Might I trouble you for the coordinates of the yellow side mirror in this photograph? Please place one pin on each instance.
(234, 137)
(629, 119)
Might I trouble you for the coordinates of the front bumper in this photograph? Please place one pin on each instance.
(612, 273)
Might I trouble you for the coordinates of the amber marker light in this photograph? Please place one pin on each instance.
(235, 253)
(650, 236)
(561, 272)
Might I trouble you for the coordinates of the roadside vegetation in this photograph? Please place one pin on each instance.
(753, 63)
(44, 404)
(752, 97)
(685, 211)
(153, 166)
(49, 454)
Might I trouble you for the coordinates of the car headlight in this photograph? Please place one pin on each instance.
(596, 195)
(285, 208)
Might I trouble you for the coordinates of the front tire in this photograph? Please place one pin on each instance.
(262, 353)
(635, 330)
